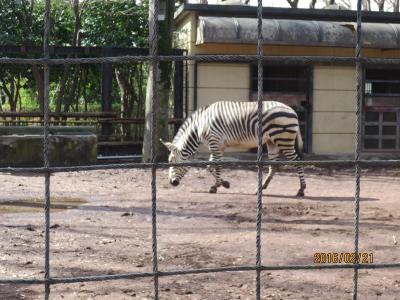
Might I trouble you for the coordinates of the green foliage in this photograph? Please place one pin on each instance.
(21, 22)
(115, 24)
(13, 22)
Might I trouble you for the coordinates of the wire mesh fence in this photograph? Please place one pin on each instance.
(153, 59)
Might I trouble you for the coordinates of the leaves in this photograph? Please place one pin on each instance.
(115, 24)
(111, 23)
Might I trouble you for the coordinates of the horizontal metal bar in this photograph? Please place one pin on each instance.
(38, 114)
(58, 280)
(233, 164)
(111, 157)
(199, 58)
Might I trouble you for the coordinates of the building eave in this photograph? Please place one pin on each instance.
(284, 13)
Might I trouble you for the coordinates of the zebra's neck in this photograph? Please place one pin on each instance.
(187, 140)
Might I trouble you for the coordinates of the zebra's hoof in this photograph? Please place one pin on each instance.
(213, 190)
(226, 184)
(300, 193)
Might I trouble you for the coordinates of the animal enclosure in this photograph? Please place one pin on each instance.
(109, 234)
(272, 243)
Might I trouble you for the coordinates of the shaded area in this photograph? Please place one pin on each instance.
(37, 205)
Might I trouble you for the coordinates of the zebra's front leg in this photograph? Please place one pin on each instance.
(216, 172)
(271, 169)
(270, 175)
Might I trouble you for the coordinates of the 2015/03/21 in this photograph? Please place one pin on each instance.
(343, 257)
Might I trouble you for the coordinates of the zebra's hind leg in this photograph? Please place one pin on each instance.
(300, 171)
(291, 154)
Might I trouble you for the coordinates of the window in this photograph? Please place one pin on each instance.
(282, 79)
(289, 84)
(381, 130)
(381, 126)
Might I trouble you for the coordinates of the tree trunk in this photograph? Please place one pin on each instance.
(84, 80)
(293, 3)
(38, 75)
(12, 92)
(396, 6)
(141, 96)
(72, 90)
(68, 98)
(148, 114)
(366, 4)
(381, 4)
(124, 107)
(61, 90)
(163, 85)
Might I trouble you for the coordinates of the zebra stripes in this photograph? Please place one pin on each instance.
(234, 124)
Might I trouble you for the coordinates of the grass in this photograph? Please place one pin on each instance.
(36, 205)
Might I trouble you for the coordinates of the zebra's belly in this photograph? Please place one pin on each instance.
(246, 144)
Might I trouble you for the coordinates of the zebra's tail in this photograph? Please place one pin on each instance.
(299, 144)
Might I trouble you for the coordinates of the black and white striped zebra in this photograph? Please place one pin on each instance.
(234, 124)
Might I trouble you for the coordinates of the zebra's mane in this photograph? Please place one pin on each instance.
(188, 129)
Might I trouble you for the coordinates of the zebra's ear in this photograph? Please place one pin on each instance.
(171, 147)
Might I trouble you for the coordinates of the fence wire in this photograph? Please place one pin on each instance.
(153, 58)
(200, 58)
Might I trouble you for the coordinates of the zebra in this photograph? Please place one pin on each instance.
(234, 124)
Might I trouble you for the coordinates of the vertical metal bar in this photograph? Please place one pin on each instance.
(178, 94)
(259, 150)
(106, 90)
(359, 89)
(46, 110)
(153, 49)
(195, 79)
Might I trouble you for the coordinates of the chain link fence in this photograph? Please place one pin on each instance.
(153, 59)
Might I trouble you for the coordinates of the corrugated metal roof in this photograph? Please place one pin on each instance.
(296, 32)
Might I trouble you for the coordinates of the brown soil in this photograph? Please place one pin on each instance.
(111, 233)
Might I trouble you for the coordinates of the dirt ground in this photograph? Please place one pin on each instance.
(107, 230)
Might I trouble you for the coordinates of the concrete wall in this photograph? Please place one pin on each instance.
(23, 146)
(222, 82)
(333, 110)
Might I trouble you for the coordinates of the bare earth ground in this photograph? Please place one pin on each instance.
(111, 233)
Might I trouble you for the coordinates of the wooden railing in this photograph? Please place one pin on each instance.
(111, 141)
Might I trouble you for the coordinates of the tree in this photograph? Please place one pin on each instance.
(293, 3)
(381, 4)
(16, 21)
(366, 4)
(121, 24)
(68, 95)
(163, 81)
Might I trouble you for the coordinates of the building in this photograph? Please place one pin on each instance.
(322, 93)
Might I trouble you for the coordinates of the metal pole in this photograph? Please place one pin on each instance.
(259, 150)
(357, 144)
(46, 111)
(153, 49)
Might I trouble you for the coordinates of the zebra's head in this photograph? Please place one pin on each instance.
(175, 173)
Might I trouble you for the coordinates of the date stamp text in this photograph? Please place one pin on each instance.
(343, 258)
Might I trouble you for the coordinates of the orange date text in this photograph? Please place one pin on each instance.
(343, 258)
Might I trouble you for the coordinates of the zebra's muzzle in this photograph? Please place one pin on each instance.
(174, 182)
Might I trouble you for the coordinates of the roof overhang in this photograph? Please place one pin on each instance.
(234, 30)
(247, 11)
